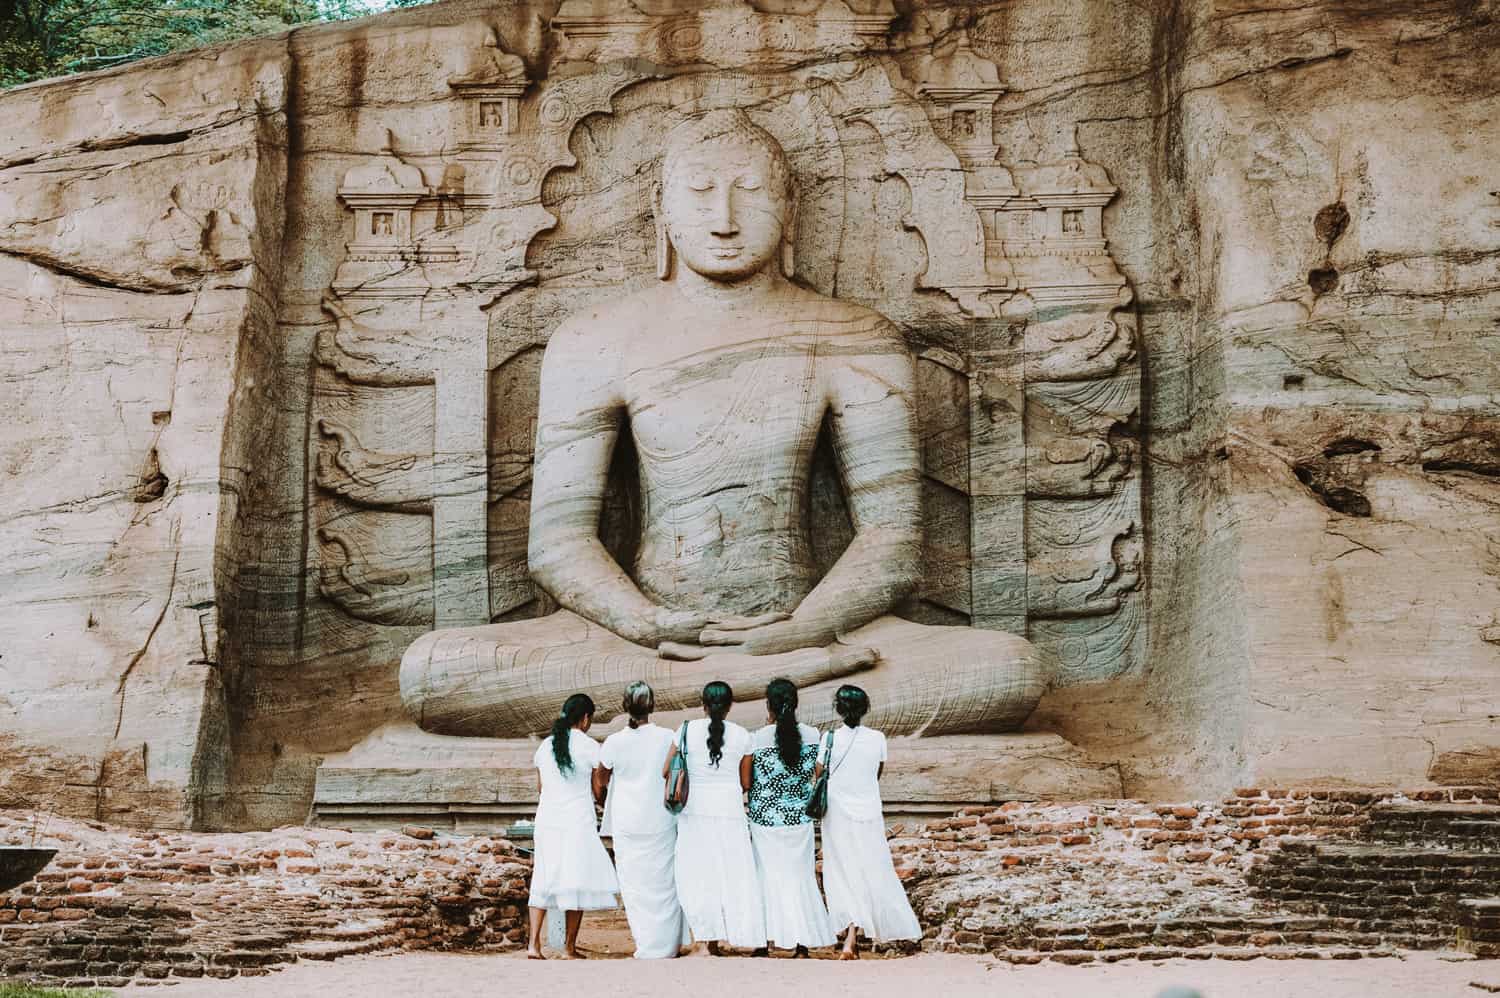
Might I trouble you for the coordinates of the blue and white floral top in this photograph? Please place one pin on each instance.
(779, 796)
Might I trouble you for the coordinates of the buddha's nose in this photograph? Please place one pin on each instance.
(724, 223)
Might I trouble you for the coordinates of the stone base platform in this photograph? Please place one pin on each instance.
(402, 775)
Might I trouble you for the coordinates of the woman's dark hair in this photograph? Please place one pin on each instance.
(781, 700)
(639, 702)
(718, 698)
(852, 704)
(574, 709)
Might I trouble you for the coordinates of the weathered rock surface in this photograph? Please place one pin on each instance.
(272, 318)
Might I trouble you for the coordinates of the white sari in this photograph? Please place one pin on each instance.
(645, 839)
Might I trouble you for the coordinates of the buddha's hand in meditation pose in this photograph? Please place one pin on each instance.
(724, 374)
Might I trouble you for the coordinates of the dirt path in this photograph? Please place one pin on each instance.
(438, 975)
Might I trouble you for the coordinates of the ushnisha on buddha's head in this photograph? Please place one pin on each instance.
(727, 202)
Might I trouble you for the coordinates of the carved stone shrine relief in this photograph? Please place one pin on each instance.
(425, 407)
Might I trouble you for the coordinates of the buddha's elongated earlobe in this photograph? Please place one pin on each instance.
(789, 234)
(664, 253)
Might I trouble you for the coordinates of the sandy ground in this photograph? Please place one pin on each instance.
(606, 973)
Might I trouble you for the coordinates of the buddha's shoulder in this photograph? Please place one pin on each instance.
(837, 315)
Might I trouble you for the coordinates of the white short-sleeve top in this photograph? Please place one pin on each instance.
(854, 772)
(715, 791)
(635, 757)
(567, 797)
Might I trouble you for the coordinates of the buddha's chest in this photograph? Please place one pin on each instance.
(754, 400)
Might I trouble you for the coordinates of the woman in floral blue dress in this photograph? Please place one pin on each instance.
(785, 755)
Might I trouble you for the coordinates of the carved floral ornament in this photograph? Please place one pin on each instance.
(1025, 241)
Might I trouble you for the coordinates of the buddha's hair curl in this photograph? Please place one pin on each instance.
(725, 126)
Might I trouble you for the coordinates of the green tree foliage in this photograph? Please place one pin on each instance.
(40, 38)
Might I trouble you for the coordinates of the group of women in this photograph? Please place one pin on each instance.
(718, 872)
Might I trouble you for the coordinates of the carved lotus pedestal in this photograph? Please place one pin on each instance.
(401, 774)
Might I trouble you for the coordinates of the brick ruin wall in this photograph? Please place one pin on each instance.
(116, 905)
(1274, 873)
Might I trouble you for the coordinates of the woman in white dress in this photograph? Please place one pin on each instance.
(645, 832)
(864, 892)
(716, 883)
(570, 870)
(780, 830)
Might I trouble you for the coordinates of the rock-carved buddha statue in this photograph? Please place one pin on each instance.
(723, 373)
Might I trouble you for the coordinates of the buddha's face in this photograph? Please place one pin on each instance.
(724, 204)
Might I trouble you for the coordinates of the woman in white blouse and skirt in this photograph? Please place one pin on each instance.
(781, 831)
(716, 882)
(645, 832)
(570, 871)
(863, 890)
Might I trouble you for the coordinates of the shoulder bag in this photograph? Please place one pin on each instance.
(817, 804)
(677, 776)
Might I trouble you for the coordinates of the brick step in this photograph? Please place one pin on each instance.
(1479, 926)
(333, 949)
(242, 959)
(351, 931)
(1081, 956)
(1475, 827)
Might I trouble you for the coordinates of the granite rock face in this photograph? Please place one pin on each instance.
(1202, 300)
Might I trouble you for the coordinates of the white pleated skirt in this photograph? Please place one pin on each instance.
(570, 869)
(794, 911)
(648, 887)
(861, 880)
(716, 882)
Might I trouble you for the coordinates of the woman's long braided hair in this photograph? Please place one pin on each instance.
(718, 698)
(574, 709)
(781, 698)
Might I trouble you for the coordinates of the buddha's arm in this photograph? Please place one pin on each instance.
(872, 398)
(871, 386)
(578, 421)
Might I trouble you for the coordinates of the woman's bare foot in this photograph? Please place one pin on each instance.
(845, 954)
(572, 954)
(534, 954)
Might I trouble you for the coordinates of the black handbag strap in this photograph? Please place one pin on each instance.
(834, 768)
